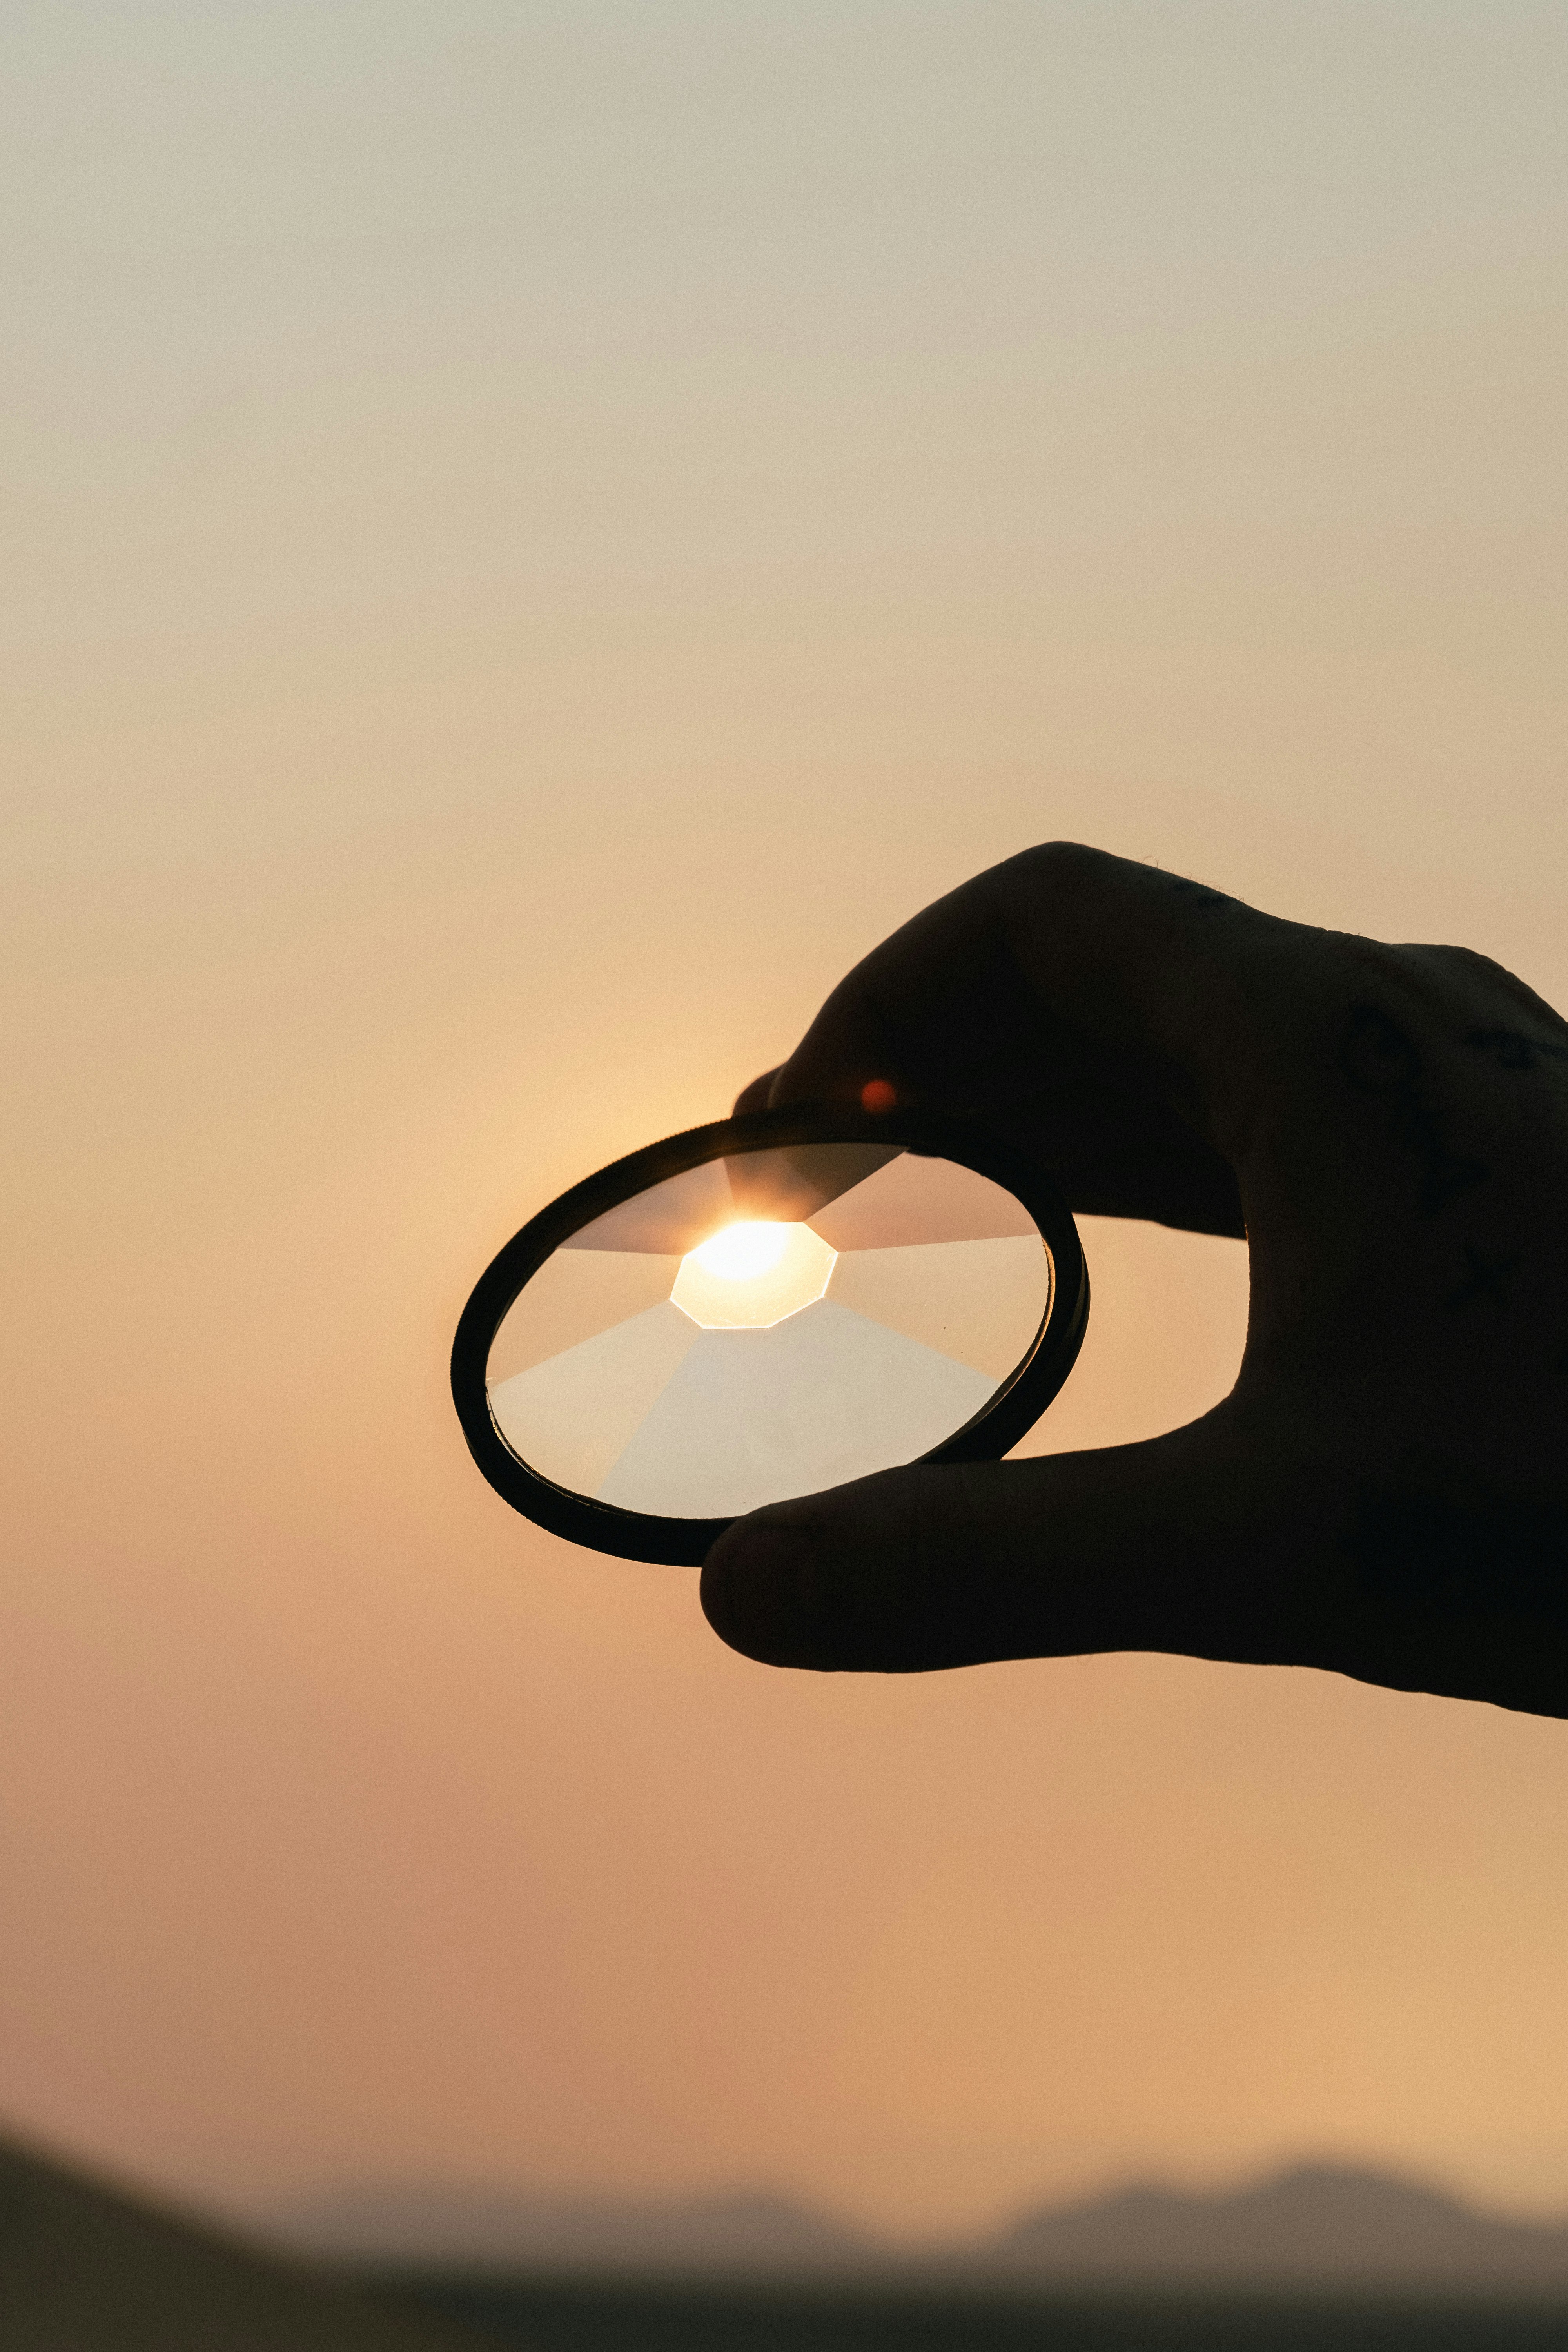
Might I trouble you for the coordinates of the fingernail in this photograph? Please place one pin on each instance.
(756, 1587)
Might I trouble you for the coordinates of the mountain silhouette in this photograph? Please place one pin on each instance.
(1314, 2226)
(742, 2233)
(1319, 2225)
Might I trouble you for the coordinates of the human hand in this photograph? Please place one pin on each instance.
(1386, 1490)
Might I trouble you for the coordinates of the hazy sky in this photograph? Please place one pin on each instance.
(534, 535)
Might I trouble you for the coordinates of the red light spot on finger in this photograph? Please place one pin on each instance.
(877, 1094)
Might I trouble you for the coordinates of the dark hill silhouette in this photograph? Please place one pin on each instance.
(84, 2268)
(1317, 2226)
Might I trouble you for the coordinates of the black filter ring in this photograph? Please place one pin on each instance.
(640, 1535)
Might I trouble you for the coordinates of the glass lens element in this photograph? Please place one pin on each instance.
(766, 1325)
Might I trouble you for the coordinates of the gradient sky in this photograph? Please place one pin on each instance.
(535, 535)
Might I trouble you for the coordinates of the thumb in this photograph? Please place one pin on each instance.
(1185, 1543)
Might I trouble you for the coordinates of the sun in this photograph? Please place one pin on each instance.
(737, 1253)
(748, 1276)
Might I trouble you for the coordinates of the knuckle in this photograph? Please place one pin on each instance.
(1449, 983)
(1062, 865)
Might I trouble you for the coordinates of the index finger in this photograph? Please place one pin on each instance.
(1143, 964)
(1108, 1014)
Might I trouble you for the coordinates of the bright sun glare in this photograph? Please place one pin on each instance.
(747, 1277)
(740, 1253)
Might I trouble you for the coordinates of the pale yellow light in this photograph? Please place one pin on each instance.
(747, 1277)
(738, 1252)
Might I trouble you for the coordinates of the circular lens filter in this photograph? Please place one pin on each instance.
(762, 1308)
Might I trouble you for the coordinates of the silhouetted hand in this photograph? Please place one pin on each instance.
(1386, 1490)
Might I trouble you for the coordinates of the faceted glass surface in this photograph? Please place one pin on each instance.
(768, 1325)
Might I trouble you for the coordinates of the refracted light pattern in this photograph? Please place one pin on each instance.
(749, 1276)
(677, 1359)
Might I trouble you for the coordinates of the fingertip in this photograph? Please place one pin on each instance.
(858, 1579)
(757, 1590)
(757, 1096)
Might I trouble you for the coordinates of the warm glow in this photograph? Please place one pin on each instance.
(739, 1252)
(747, 1277)
(696, 584)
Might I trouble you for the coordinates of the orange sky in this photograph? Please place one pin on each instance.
(538, 535)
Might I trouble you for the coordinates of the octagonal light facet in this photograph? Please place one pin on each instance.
(748, 1276)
